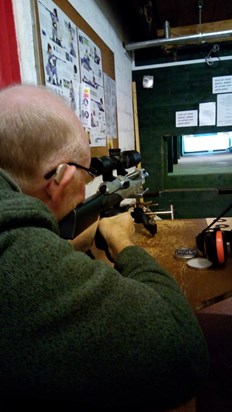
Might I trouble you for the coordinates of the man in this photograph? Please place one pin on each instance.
(74, 329)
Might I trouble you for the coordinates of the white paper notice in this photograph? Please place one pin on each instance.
(186, 118)
(222, 84)
(224, 109)
(207, 114)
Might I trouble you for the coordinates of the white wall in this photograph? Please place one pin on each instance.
(99, 15)
(24, 31)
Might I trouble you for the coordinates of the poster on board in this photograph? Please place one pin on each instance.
(187, 118)
(72, 65)
(111, 112)
(224, 109)
(92, 76)
(207, 114)
(60, 53)
(222, 84)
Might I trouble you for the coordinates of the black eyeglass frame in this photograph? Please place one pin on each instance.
(91, 170)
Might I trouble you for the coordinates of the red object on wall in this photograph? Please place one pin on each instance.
(9, 60)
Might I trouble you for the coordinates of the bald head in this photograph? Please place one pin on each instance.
(38, 130)
(29, 97)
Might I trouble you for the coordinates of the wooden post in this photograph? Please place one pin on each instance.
(135, 113)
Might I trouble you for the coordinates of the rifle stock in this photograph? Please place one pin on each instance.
(81, 217)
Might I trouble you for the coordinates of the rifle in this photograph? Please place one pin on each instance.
(107, 201)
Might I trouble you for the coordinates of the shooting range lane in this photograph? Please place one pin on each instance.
(201, 287)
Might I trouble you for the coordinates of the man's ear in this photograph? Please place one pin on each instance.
(58, 184)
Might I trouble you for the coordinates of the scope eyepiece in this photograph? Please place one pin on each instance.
(131, 158)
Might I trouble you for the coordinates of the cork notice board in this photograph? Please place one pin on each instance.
(76, 63)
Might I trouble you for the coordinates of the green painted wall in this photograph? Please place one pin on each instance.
(177, 88)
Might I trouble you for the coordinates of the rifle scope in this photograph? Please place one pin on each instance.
(117, 160)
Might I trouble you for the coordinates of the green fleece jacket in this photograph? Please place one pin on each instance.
(73, 328)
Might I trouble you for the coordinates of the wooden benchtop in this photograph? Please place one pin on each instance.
(201, 287)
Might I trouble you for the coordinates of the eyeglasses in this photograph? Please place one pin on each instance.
(91, 170)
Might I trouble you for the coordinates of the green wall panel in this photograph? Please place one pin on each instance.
(176, 88)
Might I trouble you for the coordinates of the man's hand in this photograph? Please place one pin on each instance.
(118, 232)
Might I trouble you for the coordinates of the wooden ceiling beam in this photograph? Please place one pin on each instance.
(203, 28)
